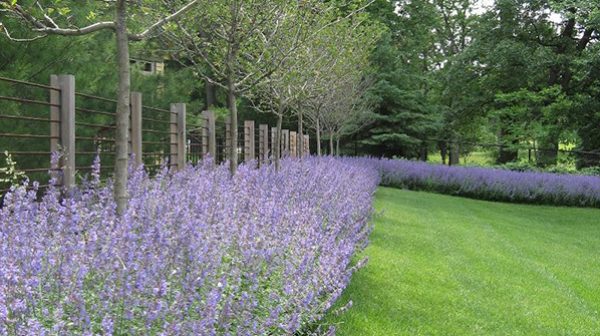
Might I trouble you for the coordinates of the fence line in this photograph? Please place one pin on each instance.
(82, 125)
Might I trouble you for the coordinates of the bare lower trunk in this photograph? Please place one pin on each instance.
(548, 151)
(318, 138)
(454, 158)
(337, 146)
(443, 145)
(277, 145)
(331, 143)
(231, 102)
(210, 95)
(120, 191)
(300, 131)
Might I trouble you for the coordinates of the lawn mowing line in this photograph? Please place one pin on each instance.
(519, 254)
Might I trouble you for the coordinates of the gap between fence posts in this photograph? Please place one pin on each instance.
(54, 126)
(136, 126)
(209, 138)
(228, 140)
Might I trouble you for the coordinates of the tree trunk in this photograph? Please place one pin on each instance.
(548, 150)
(122, 132)
(300, 131)
(505, 154)
(231, 102)
(331, 144)
(443, 145)
(318, 138)
(454, 154)
(337, 146)
(277, 146)
(210, 94)
(423, 152)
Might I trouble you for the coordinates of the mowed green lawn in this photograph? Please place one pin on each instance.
(441, 265)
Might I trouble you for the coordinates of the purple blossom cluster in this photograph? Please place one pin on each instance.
(197, 252)
(490, 184)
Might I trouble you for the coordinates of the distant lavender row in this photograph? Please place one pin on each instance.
(490, 184)
(197, 253)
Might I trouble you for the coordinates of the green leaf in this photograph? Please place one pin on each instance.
(64, 11)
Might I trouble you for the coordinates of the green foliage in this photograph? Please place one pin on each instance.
(9, 174)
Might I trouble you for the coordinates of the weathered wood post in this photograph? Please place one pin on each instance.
(249, 145)
(178, 136)
(209, 138)
(136, 126)
(66, 134)
(274, 142)
(263, 145)
(293, 144)
(306, 146)
(285, 143)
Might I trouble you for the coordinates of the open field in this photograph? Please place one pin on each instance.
(442, 265)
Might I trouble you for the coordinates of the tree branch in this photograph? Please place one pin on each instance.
(161, 22)
(7, 33)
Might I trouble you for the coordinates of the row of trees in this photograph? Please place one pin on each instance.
(307, 58)
(422, 75)
(519, 73)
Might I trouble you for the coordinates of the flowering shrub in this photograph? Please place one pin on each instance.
(196, 253)
(490, 184)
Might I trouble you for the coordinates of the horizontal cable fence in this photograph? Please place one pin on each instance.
(37, 120)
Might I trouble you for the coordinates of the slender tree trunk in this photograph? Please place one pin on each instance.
(548, 151)
(300, 131)
(443, 145)
(337, 146)
(231, 102)
(318, 138)
(505, 153)
(122, 132)
(331, 143)
(454, 158)
(423, 152)
(278, 141)
(210, 94)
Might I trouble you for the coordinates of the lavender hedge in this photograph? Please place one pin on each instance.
(197, 252)
(490, 184)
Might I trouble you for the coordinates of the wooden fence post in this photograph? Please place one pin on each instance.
(263, 146)
(274, 142)
(178, 136)
(293, 144)
(249, 145)
(173, 137)
(209, 138)
(67, 128)
(136, 126)
(306, 146)
(285, 143)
